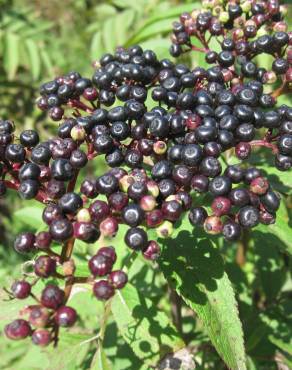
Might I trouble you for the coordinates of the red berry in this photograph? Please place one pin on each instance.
(21, 289)
(259, 185)
(213, 225)
(108, 252)
(109, 227)
(118, 279)
(41, 337)
(243, 150)
(38, 316)
(18, 329)
(221, 206)
(45, 266)
(152, 251)
(154, 218)
(43, 240)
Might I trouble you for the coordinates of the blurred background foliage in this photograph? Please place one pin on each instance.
(42, 39)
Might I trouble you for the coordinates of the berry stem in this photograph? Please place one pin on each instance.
(282, 90)
(202, 50)
(14, 186)
(68, 287)
(78, 104)
(265, 144)
(72, 183)
(67, 250)
(107, 311)
(176, 305)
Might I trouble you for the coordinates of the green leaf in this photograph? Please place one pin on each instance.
(172, 12)
(31, 216)
(122, 25)
(100, 362)
(146, 329)
(269, 263)
(34, 58)
(96, 48)
(108, 35)
(281, 344)
(161, 26)
(46, 59)
(11, 54)
(193, 266)
(280, 229)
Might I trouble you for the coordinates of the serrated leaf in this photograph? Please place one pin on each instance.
(280, 229)
(34, 58)
(193, 266)
(11, 54)
(146, 329)
(100, 361)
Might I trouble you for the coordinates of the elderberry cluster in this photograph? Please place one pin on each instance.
(163, 130)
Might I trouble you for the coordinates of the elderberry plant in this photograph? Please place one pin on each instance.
(166, 163)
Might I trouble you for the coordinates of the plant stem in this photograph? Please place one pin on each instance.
(78, 104)
(67, 250)
(15, 185)
(72, 183)
(265, 144)
(176, 305)
(242, 248)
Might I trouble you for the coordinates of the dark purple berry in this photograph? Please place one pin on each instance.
(118, 279)
(24, 242)
(65, 316)
(100, 265)
(52, 297)
(103, 290)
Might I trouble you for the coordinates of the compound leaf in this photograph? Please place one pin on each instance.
(146, 329)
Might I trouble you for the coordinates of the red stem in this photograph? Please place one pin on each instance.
(41, 197)
(72, 183)
(265, 144)
(78, 104)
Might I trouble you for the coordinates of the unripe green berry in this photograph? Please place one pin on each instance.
(125, 182)
(164, 230)
(224, 17)
(160, 147)
(83, 215)
(246, 6)
(78, 133)
(152, 188)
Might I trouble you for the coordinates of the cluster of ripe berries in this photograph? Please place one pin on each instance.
(161, 159)
(44, 319)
